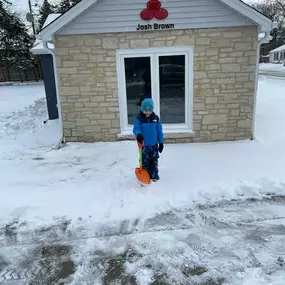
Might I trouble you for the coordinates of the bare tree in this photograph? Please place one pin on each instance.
(274, 10)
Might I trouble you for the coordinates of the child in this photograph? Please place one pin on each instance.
(148, 129)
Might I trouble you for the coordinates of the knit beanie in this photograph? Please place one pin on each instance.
(147, 105)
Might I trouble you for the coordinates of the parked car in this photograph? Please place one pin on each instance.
(172, 74)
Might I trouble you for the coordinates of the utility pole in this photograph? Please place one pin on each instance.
(32, 17)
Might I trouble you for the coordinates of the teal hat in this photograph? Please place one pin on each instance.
(147, 105)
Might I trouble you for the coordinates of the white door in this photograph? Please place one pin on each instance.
(166, 75)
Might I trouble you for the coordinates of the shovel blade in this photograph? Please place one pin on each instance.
(142, 175)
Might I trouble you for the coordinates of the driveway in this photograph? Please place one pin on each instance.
(230, 242)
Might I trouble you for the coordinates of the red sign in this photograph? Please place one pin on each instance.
(154, 10)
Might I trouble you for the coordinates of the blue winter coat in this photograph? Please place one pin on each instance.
(150, 128)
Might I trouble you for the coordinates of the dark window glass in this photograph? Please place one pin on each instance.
(172, 89)
(138, 84)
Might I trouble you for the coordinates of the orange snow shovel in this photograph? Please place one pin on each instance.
(142, 174)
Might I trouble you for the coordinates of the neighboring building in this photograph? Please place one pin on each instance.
(48, 71)
(197, 59)
(278, 55)
(264, 58)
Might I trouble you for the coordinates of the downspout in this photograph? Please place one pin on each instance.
(62, 138)
(265, 39)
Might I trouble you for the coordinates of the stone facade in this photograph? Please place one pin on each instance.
(224, 81)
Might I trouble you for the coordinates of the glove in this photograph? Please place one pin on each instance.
(140, 138)
(160, 147)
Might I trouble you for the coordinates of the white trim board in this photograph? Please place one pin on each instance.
(240, 7)
(153, 54)
(266, 25)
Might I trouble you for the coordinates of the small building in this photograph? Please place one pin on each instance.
(198, 60)
(278, 55)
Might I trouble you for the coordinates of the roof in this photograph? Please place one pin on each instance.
(281, 48)
(50, 18)
(38, 47)
(239, 6)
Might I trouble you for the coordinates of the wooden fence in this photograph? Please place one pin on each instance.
(13, 74)
(24, 67)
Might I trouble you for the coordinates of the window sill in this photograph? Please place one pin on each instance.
(168, 134)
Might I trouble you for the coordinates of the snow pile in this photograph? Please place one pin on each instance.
(98, 181)
(22, 113)
(28, 119)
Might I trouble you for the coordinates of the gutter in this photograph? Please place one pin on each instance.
(265, 39)
(50, 51)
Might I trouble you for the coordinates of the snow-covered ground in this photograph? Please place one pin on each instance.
(85, 197)
(19, 96)
(84, 175)
(272, 66)
(271, 69)
(270, 115)
(22, 112)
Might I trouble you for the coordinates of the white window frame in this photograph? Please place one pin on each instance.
(153, 54)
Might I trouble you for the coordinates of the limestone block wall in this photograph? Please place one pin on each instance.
(224, 81)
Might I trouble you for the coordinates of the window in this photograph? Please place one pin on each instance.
(275, 56)
(165, 75)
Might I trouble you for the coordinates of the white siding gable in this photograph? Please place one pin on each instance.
(109, 16)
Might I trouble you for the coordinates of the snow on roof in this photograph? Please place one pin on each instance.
(38, 47)
(281, 48)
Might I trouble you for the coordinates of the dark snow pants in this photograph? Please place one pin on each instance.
(150, 161)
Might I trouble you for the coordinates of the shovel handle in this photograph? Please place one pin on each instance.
(140, 145)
